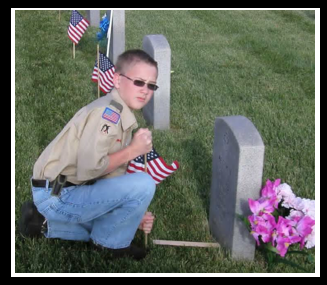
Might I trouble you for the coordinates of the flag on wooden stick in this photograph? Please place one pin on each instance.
(77, 26)
(106, 73)
(156, 166)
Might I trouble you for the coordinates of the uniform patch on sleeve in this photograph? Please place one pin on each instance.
(105, 129)
(111, 116)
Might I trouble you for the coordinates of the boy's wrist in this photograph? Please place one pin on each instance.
(131, 152)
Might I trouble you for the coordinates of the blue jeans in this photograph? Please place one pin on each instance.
(108, 212)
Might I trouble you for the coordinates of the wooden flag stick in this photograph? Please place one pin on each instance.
(146, 171)
(145, 163)
(98, 57)
(73, 50)
(185, 243)
(146, 240)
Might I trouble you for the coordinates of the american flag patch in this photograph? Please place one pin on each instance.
(111, 116)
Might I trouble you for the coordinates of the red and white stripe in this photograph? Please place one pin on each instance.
(106, 79)
(157, 168)
(76, 33)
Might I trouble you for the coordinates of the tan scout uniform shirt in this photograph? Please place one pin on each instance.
(81, 149)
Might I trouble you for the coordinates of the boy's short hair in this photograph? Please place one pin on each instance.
(132, 57)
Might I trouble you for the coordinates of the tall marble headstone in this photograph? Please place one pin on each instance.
(238, 158)
(117, 40)
(93, 16)
(157, 111)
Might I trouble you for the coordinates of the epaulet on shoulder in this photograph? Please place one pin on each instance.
(115, 104)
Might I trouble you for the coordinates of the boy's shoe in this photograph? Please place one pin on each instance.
(133, 251)
(31, 223)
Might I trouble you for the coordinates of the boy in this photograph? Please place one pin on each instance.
(79, 183)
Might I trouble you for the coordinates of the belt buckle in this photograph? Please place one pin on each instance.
(58, 185)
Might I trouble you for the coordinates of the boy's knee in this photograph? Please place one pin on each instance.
(146, 183)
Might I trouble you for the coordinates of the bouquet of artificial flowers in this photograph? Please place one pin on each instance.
(281, 218)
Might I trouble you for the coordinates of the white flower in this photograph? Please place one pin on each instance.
(307, 206)
(310, 239)
(295, 213)
(284, 192)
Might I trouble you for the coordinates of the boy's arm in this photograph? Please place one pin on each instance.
(141, 144)
(119, 158)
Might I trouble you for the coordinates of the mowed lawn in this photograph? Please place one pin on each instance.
(258, 64)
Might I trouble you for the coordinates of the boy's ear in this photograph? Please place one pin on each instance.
(116, 80)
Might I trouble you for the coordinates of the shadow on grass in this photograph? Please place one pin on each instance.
(201, 164)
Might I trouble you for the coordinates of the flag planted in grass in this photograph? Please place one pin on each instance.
(77, 27)
(106, 73)
(156, 166)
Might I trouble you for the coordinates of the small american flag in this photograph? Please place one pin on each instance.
(156, 166)
(106, 73)
(77, 26)
(111, 115)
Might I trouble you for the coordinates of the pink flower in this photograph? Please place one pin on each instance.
(284, 226)
(270, 225)
(285, 235)
(297, 227)
(303, 228)
(262, 205)
(262, 226)
(283, 244)
(270, 188)
(269, 191)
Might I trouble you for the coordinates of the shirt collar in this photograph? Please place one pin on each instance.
(127, 116)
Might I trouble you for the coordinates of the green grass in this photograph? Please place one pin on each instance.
(259, 64)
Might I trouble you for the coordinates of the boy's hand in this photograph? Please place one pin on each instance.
(142, 142)
(147, 222)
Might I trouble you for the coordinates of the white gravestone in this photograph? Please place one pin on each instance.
(117, 41)
(238, 159)
(93, 16)
(157, 111)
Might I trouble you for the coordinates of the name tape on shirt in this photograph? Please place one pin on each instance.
(111, 116)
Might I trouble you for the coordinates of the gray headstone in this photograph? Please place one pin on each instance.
(157, 111)
(117, 41)
(237, 169)
(93, 16)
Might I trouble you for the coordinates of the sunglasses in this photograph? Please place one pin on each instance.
(140, 83)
